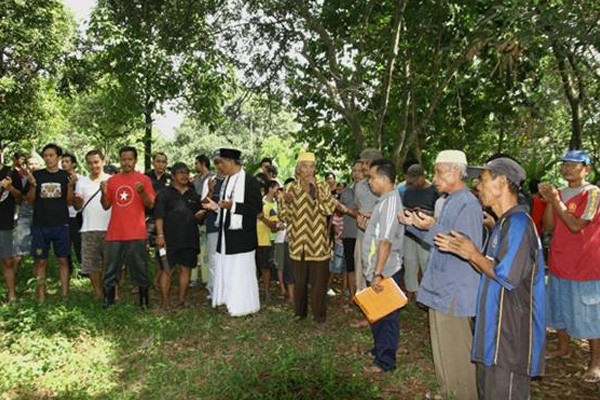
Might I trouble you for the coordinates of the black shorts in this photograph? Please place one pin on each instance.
(185, 257)
(349, 245)
(264, 257)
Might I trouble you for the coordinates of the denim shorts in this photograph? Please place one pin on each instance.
(22, 236)
(337, 265)
(574, 306)
(6, 244)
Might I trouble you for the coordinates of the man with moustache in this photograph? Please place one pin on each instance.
(127, 194)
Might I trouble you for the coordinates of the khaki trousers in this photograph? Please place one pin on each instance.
(361, 282)
(451, 342)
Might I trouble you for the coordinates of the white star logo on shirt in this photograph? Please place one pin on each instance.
(124, 196)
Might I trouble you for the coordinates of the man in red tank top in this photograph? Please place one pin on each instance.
(573, 218)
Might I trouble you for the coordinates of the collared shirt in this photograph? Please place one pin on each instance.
(158, 184)
(450, 283)
(510, 328)
(347, 198)
(384, 226)
(306, 220)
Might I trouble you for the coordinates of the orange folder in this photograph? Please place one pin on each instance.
(378, 305)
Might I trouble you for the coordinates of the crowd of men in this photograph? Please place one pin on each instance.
(473, 256)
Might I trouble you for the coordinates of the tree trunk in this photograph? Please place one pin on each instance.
(148, 136)
(575, 142)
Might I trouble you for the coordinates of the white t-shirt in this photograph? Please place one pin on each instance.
(95, 218)
(72, 210)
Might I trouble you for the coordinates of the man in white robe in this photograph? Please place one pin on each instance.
(240, 203)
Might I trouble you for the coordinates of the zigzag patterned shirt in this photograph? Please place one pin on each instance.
(306, 220)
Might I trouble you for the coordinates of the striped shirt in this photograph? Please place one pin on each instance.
(510, 327)
(306, 220)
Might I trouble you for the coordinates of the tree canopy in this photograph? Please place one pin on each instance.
(408, 77)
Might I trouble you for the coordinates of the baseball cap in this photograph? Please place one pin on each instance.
(503, 166)
(371, 154)
(579, 156)
(452, 156)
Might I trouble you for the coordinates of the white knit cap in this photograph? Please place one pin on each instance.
(451, 156)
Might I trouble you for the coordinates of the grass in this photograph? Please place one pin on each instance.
(77, 350)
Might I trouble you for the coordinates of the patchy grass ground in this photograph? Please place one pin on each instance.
(77, 350)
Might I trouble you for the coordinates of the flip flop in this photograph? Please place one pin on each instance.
(590, 378)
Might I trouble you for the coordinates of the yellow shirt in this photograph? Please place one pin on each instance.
(269, 211)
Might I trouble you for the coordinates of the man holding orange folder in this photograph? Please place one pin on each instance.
(382, 258)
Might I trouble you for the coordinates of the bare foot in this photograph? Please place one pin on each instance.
(557, 353)
(592, 375)
(373, 369)
(359, 324)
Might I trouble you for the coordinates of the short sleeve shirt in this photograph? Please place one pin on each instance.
(384, 226)
(178, 211)
(95, 217)
(127, 219)
(50, 207)
(7, 201)
(510, 328)
(576, 255)
(269, 211)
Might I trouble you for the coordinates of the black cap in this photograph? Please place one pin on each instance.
(232, 154)
(178, 166)
(110, 169)
(503, 166)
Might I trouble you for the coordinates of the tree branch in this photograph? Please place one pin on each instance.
(389, 71)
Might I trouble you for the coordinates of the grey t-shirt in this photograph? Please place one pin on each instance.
(384, 225)
(350, 228)
(200, 181)
(365, 200)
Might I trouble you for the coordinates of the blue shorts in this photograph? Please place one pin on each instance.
(44, 236)
(574, 306)
(337, 265)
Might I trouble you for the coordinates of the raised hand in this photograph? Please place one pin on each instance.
(6, 183)
(103, 187)
(209, 204)
(226, 204)
(139, 186)
(549, 192)
(72, 179)
(362, 221)
(456, 243)
(423, 221)
(406, 218)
